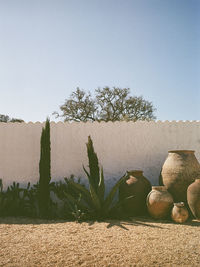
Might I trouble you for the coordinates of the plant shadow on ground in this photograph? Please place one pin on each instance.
(29, 220)
(122, 223)
(146, 222)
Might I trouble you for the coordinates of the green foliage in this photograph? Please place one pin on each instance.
(45, 171)
(59, 188)
(6, 118)
(92, 203)
(108, 104)
(15, 201)
(93, 164)
(32, 196)
(76, 209)
(66, 193)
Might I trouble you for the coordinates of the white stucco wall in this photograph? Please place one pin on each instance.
(120, 146)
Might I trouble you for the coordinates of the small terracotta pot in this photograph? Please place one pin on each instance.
(159, 202)
(179, 213)
(138, 186)
(193, 198)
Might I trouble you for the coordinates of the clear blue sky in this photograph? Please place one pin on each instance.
(48, 48)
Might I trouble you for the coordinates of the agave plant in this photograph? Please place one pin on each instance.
(94, 202)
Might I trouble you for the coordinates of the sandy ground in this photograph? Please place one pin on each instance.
(139, 242)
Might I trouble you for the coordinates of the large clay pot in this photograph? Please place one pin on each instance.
(180, 170)
(138, 186)
(193, 198)
(159, 202)
(179, 213)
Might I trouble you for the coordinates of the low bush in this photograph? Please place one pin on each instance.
(16, 201)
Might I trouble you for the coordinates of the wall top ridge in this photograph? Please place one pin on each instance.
(102, 122)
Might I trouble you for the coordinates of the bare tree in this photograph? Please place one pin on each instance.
(79, 107)
(114, 104)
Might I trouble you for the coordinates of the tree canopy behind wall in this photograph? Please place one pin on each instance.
(108, 104)
(6, 118)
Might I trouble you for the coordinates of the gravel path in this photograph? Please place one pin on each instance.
(140, 242)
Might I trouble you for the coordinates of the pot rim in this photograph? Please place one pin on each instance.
(135, 171)
(181, 151)
(159, 187)
(179, 204)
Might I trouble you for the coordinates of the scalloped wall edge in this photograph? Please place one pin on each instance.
(103, 122)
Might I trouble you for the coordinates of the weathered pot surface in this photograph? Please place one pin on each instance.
(159, 202)
(193, 198)
(138, 186)
(180, 170)
(179, 213)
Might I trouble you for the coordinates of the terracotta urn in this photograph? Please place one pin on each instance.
(135, 185)
(179, 170)
(159, 202)
(193, 198)
(179, 213)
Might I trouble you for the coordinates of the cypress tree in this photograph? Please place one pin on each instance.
(44, 170)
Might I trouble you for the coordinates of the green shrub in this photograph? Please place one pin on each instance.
(15, 201)
(67, 209)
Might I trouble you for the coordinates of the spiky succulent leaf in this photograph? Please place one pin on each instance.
(74, 201)
(101, 186)
(93, 163)
(81, 189)
(95, 199)
(90, 179)
(87, 173)
(109, 198)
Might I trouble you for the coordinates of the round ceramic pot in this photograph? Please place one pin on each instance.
(193, 198)
(159, 202)
(136, 187)
(179, 213)
(179, 170)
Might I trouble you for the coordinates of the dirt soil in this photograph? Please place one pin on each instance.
(139, 242)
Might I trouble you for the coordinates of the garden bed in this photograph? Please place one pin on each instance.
(138, 242)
